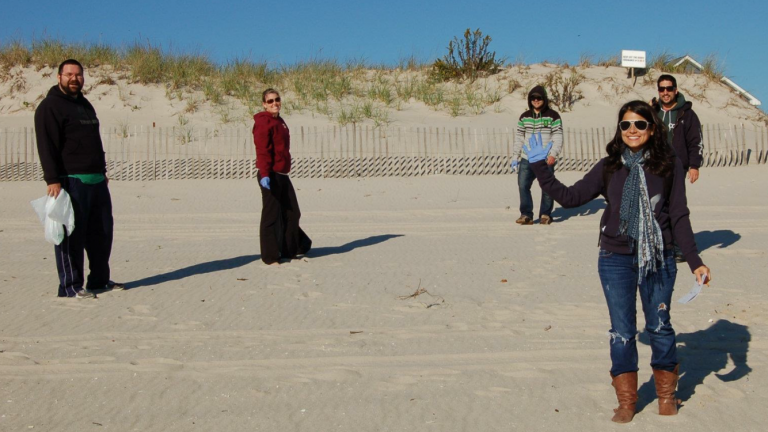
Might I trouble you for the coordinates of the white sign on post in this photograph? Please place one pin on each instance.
(633, 59)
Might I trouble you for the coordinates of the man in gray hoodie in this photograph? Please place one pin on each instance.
(538, 118)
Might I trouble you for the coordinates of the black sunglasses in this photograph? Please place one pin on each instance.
(640, 125)
(271, 101)
(537, 98)
(667, 88)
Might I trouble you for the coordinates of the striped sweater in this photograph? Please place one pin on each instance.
(547, 122)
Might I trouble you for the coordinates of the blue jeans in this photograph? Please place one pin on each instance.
(525, 178)
(618, 274)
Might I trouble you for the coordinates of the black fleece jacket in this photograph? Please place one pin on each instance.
(68, 139)
(687, 139)
(671, 211)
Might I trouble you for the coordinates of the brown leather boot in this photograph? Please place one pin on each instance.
(626, 392)
(666, 383)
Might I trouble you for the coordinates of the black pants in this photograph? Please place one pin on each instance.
(93, 234)
(279, 232)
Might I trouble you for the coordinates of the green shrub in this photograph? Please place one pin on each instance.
(467, 59)
(562, 89)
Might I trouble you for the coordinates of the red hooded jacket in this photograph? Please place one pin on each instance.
(273, 144)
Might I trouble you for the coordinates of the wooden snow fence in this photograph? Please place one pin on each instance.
(144, 153)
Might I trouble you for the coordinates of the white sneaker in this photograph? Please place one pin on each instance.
(84, 294)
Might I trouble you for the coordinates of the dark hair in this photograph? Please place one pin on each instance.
(70, 62)
(660, 154)
(667, 77)
(268, 91)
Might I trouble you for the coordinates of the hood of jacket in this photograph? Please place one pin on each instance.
(681, 103)
(266, 115)
(539, 90)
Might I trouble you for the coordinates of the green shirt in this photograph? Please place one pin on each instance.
(89, 179)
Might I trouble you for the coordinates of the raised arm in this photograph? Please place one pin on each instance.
(582, 192)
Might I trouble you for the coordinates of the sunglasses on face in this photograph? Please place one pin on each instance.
(640, 125)
(536, 98)
(271, 101)
(669, 89)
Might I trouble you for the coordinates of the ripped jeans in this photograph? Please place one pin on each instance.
(618, 274)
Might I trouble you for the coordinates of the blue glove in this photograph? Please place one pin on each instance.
(536, 151)
(513, 165)
(264, 182)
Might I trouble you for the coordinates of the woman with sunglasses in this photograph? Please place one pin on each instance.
(643, 185)
(279, 233)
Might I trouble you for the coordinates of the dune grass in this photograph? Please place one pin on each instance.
(347, 92)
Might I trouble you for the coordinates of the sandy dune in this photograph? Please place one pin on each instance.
(511, 333)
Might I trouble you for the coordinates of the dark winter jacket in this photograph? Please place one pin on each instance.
(547, 122)
(68, 139)
(671, 211)
(684, 131)
(273, 144)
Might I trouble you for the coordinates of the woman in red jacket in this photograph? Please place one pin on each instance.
(279, 232)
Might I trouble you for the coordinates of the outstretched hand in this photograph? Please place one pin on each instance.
(535, 149)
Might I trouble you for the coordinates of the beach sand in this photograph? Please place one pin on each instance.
(509, 331)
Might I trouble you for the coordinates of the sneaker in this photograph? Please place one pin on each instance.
(545, 220)
(115, 286)
(524, 220)
(85, 294)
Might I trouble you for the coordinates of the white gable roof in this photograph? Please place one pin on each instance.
(727, 81)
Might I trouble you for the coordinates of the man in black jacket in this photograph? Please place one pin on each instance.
(72, 156)
(683, 125)
(683, 131)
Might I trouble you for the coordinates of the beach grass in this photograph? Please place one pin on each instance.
(348, 91)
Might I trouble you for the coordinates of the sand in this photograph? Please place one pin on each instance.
(509, 333)
(603, 91)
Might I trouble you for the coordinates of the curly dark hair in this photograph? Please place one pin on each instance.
(661, 157)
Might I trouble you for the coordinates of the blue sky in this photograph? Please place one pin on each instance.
(386, 31)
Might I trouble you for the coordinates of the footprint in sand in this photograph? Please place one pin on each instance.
(74, 304)
(308, 295)
(138, 312)
(186, 325)
(156, 365)
(15, 359)
(334, 375)
(493, 391)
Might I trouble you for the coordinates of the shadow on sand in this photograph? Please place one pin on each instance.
(232, 263)
(561, 214)
(194, 270)
(720, 238)
(703, 353)
(333, 250)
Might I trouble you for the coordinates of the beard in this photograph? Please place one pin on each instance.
(72, 88)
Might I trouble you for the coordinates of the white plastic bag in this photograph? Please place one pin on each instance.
(55, 214)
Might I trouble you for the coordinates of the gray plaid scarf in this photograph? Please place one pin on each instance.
(637, 221)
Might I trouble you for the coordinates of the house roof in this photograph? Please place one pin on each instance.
(727, 81)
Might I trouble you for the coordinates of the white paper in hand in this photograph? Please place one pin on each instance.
(695, 290)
